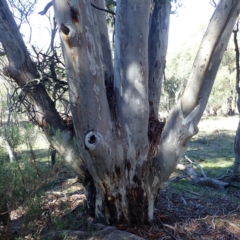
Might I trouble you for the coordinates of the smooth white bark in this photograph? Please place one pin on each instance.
(131, 74)
(157, 50)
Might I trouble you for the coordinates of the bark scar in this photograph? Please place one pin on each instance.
(74, 14)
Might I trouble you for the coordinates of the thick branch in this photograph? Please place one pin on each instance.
(44, 11)
(209, 56)
(98, 7)
(103, 38)
(205, 181)
(89, 105)
(83, 65)
(157, 47)
(131, 72)
(182, 123)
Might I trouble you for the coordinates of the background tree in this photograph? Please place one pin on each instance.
(122, 153)
(237, 136)
(178, 67)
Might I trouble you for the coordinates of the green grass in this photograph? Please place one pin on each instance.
(212, 148)
(213, 151)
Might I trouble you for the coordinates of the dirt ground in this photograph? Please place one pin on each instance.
(179, 214)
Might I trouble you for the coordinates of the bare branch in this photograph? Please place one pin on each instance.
(213, 3)
(102, 9)
(44, 11)
(196, 163)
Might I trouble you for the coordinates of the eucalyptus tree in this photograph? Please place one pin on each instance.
(119, 146)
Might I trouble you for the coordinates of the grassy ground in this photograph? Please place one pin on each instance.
(183, 211)
(213, 146)
(201, 212)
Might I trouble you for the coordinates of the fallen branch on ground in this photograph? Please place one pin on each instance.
(202, 180)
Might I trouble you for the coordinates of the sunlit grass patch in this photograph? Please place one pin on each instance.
(212, 148)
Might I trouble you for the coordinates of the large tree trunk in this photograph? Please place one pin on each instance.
(127, 176)
(123, 153)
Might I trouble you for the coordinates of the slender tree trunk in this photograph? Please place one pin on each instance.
(237, 152)
(237, 136)
(6, 137)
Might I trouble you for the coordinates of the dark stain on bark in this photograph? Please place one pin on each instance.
(69, 123)
(117, 171)
(127, 165)
(105, 188)
(89, 48)
(74, 14)
(64, 29)
(110, 203)
(4, 216)
(111, 96)
(137, 180)
(137, 205)
(155, 129)
(88, 183)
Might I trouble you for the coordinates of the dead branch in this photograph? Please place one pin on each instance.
(206, 181)
(44, 11)
(213, 3)
(195, 163)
